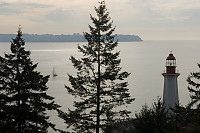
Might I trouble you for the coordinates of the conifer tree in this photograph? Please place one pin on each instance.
(153, 120)
(194, 87)
(99, 83)
(193, 109)
(23, 97)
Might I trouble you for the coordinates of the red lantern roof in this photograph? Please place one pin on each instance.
(171, 57)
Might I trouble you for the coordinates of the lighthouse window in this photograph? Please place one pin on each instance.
(167, 63)
(170, 62)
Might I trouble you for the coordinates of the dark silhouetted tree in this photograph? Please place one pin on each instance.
(99, 83)
(194, 87)
(153, 120)
(194, 107)
(23, 97)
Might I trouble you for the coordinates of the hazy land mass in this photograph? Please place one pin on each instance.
(76, 37)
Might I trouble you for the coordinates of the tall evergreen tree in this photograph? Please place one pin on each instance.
(194, 87)
(194, 107)
(23, 97)
(99, 83)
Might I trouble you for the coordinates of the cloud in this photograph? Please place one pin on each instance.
(130, 16)
(3, 4)
(162, 9)
(17, 8)
(5, 9)
(58, 15)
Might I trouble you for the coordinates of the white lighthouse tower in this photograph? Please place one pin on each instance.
(170, 94)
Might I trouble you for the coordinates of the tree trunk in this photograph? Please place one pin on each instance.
(98, 85)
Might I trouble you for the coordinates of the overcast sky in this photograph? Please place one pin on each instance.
(150, 19)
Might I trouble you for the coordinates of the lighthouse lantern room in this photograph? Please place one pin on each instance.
(170, 93)
(171, 64)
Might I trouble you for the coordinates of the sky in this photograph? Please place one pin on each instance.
(150, 19)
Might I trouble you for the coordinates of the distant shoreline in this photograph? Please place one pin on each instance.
(64, 38)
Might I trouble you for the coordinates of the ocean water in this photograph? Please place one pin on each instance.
(145, 60)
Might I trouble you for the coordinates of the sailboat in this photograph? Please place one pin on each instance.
(54, 73)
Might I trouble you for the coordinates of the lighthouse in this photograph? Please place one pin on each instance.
(170, 93)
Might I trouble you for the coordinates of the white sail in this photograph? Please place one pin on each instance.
(54, 73)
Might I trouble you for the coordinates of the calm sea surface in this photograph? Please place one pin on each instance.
(145, 60)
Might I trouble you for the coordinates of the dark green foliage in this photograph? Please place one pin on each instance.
(157, 120)
(152, 120)
(185, 118)
(125, 126)
(194, 106)
(99, 77)
(23, 98)
(194, 84)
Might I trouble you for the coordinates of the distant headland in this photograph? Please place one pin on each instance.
(76, 37)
